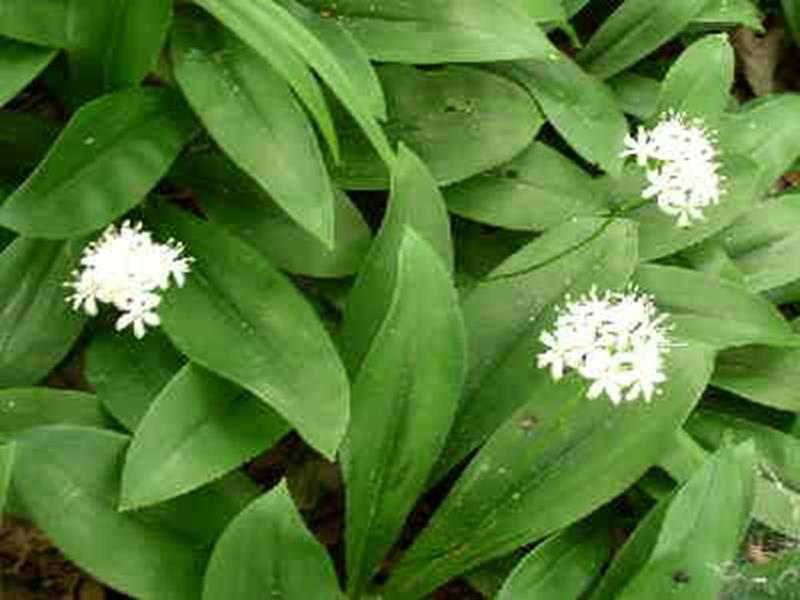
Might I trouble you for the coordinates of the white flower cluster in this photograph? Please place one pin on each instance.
(127, 269)
(618, 340)
(682, 170)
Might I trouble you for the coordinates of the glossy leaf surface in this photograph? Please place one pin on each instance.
(404, 400)
(283, 354)
(268, 548)
(112, 152)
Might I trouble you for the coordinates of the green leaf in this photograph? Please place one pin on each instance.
(791, 12)
(581, 108)
(724, 315)
(415, 202)
(699, 82)
(520, 296)
(633, 31)
(629, 559)
(702, 528)
(440, 32)
(561, 568)
(539, 189)
(236, 202)
(675, 549)
(263, 25)
(24, 408)
(343, 44)
(487, 117)
(128, 374)
(43, 22)
(19, 65)
(777, 451)
(764, 243)
(267, 548)
(768, 376)
(38, 326)
(522, 484)
(636, 95)
(404, 400)
(112, 152)
(658, 233)
(68, 477)
(252, 114)
(282, 352)
(7, 451)
(115, 43)
(710, 257)
(775, 504)
(731, 12)
(766, 131)
(197, 429)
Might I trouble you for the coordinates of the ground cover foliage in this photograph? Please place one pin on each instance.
(395, 300)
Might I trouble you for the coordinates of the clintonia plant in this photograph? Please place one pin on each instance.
(311, 299)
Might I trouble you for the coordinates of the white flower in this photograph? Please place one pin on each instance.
(681, 165)
(126, 269)
(617, 340)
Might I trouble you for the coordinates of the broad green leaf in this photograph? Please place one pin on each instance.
(778, 451)
(128, 374)
(561, 568)
(724, 315)
(581, 108)
(115, 43)
(7, 450)
(634, 30)
(43, 22)
(764, 243)
(112, 152)
(791, 12)
(520, 296)
(414, 202)
(775, 505)
(658, 233)
(688, 533)
(68, 477)
(711, 258)
(637, 95)
(23, 408)
(766, 131)
(404, 400)
(539, 189)
(701, 529)
(629, 559)
(38, 327)
(24, 140)
(264, 25)
(699, 82)
(768, 376)
(522, 485)
(197, 429)
(19, 65)
(281, 352)
(252, 114)
(440, 32)
(732, 12)
(544, 10)
(339, 40)
(487, 117)
(267, 548)
(239, 204)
